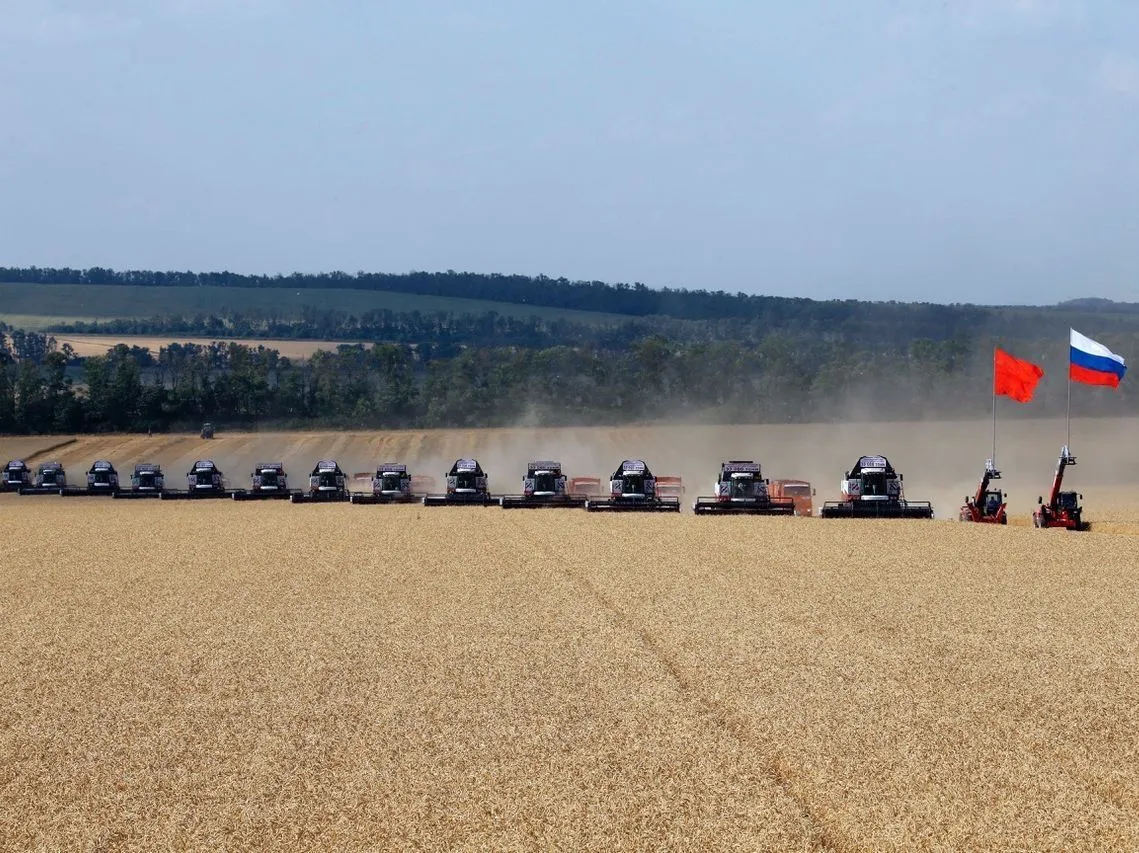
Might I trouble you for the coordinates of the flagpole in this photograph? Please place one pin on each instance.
(1068, 443)
(994, 407)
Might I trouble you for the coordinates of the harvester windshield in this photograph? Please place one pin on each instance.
(743, 486)
(327, 479)
(874, 483)
(390, 481)
(269, 478)
(545, 482)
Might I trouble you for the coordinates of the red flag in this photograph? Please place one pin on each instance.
(1013, 377)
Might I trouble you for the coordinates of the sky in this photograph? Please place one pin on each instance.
(979, 151)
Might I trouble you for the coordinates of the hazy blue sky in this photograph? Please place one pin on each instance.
(945, 150)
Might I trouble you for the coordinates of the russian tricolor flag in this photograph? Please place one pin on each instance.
(1094, 364)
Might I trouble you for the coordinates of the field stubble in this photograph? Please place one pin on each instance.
(230, 676)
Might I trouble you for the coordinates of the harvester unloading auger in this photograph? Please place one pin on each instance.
(1063, 508)
(742, 490)
(987, 506)
(873, 489)
(632, 488)
(543, 486)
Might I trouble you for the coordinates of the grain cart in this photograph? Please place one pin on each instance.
(16, 475)
(586, 487)
(741, 490)
(466, 486)
(50, 479)
(391, 484)
(987, 506)
(632, 488)
(543, 486)
(102, 479)
(326, 484)
(873, 489)
(1063, 508)
(147, 481)
(267, 481)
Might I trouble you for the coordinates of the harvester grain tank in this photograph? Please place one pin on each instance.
(147, 481)
(741, 490)
(670, 486)
(391, 484)
(632, 488)
(50, 479)
(327, 483)
(588, 486)
(873, 489)
(102, 479)
(1063, 508)
(987, 506)
(543, 486)
(267, 481)
(16, 475)
(467, 485)
(204, 480)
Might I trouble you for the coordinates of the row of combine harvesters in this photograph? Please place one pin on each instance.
(872, 488)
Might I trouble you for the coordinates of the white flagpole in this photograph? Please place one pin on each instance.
(994, 407)
(1069, 417)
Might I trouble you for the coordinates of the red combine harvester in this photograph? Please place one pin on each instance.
(1063, 508)
(988, 506)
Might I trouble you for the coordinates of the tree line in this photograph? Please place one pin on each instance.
(779, 379)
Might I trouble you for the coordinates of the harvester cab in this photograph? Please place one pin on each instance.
(632, 487)
(390, 484)
(16, 476)
(268, 481)
(327, 482)
(203, 480)
(873, 489)
(1063, 508)
(741, 490)
(543, 486)
(467, 483)
(987, 506)
(102, 479)
(50, 479)
(147, 481)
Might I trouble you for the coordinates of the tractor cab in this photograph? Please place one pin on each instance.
(992, 502)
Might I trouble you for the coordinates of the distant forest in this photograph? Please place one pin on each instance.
(678, 355)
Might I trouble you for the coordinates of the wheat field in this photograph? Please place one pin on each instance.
(212, 675)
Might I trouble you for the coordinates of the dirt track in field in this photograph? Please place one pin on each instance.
(213, 675)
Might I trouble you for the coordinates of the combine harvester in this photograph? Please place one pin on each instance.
(987, 506)
(742, 490)
(147, 481)
(16, 475)
(267, 482)
(873, 489)
(391, 484)
(467, 485)
(102, 480)
(50, 479)
(632, 488)
(204, 480)
(326, 484)
(1063, 508)
(544, 486)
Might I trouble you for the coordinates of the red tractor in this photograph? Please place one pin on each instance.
(1063, 508)
(988, 506)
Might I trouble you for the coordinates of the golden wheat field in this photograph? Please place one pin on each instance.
(213, 675)
(89, 345)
